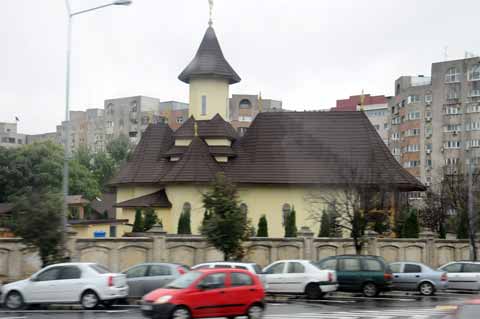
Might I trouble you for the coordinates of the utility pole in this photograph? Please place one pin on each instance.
(472, 218)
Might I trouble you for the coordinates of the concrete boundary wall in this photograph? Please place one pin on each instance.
(18, 261)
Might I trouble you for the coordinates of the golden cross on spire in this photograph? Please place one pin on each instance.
(210, 3)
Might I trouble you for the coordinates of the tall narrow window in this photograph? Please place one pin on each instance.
(204, 105)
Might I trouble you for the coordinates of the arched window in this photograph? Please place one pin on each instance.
(286, 209)
(245, 104)
(452, 93)
(452, 75)
(474, 74)
(244, 209)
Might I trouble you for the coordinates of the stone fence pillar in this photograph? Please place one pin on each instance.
(159, 253)
(372, 243)
(307, 236)
(430, 254)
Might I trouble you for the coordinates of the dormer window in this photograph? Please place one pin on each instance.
(204, 105)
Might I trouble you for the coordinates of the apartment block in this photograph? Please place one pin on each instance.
(174, 113)
(410, 117)
(52, 136)
(375, 108)
(243, 109)
(9, 137)
(436, 120)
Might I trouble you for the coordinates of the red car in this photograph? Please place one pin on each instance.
(207, 293)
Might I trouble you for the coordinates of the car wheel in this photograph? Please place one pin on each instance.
(180, 313)
(89, 300)
(14, 301)
(313, 291)
(426, 289)
(255, 312)
(370, 290)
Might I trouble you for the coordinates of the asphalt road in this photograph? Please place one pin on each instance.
(339, 306)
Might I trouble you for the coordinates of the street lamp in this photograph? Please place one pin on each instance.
(67, 99)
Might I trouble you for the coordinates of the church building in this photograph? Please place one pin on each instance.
(284, 160)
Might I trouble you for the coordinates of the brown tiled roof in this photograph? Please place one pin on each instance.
(196, 165)
(77, 200)
(96, 221)
(278, 148)
(157, 199)
(105, 203)
(316, 148)
(209, 62)
(217, 127)
(148, 162)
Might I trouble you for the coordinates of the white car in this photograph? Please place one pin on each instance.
(463, 275)
(299, 277)
(86, 283)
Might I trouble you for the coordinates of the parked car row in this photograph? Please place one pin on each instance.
(91, 284)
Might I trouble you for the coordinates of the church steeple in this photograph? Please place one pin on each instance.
(209, 75)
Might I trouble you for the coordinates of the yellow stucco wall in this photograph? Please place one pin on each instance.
(216, 91)
(218, 142)
(87, 231)
(260, 199)
(182, 142)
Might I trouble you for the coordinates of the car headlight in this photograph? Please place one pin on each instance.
(163, 299)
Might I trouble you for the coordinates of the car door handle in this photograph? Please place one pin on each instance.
(397, 276)
(417, 276)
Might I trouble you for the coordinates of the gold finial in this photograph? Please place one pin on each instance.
(210, 4)
(195, 128)
(362, 101)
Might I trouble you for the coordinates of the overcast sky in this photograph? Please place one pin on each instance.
(307, 53)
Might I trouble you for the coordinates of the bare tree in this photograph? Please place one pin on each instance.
(362, 198)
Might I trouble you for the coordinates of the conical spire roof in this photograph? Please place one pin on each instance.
(209, 61)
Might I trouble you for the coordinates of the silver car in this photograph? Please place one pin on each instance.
(415, 276)
(463, 275)
(143, 278)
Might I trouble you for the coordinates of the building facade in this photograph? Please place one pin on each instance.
(9, 136)
(243, 109)
(435, 121)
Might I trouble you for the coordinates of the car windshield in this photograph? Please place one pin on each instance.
(257, 269)
(184, 281)
(100, 269)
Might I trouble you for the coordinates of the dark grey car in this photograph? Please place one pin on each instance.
(144, 278)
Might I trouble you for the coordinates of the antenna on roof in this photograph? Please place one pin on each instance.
(210, 4)
(260, 102)
(362, 101)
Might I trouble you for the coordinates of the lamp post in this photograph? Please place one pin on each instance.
(67, 100)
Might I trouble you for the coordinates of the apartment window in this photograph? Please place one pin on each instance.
(452, 110)
(413, 99)
(453, 128)
(474, 73)
(385, 126)
(132, 134)
(412, 148)
(204, 105)
(451, 161)
(428, 131)
(411, 164)
(472, 126)
(180, 119)
(134, 107)
(473, 108)
(428, 98)
(475, 89)
(429, 163)
(412, 132)
(109, 124)
(110, 108)
(452, 144)
(395, 136)
(245, 118)
(413, 115)
(452, 93)
(473, 143)
(396, 120)
(452, 75)
(245, 104)
(19, 141)
(396, 151)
